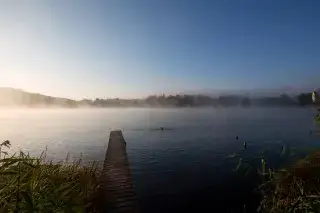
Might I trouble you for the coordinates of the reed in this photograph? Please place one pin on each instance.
(33, 184)
(294, 189)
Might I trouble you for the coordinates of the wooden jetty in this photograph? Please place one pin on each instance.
(117, 193)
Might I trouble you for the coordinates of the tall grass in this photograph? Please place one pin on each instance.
(294, 189)
(33, 184)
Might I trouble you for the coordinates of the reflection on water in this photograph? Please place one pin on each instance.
(183, 165)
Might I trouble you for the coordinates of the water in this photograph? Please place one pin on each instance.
(181, 168)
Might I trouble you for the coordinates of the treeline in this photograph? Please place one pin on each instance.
(16, 97)
(222, 101)
(305, 99)
(10, 97)
(202, 101)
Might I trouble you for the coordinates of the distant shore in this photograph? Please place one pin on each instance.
(17, 98)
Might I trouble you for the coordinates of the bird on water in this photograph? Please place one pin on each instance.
(245, 145)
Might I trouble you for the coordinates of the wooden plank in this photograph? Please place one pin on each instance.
(116, 188)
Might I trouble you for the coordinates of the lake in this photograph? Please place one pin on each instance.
(181, 168)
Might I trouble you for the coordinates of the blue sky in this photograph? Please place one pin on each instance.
(133, 48)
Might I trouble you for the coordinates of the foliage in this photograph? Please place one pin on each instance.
(246, 102)
(305, 99)
(35, 185)
(11, 96)
(295, 189)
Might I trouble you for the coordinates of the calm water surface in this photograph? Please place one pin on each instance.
(181, 168)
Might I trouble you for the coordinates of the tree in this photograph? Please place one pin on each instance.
(246, 102)
(305, 99)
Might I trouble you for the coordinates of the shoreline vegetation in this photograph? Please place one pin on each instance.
(33, 184)
(293, 187)
(14, 97)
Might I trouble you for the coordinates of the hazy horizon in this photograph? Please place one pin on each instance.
(9, 92)
(86, 49)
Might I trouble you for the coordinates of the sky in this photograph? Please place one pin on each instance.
(134, 48)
